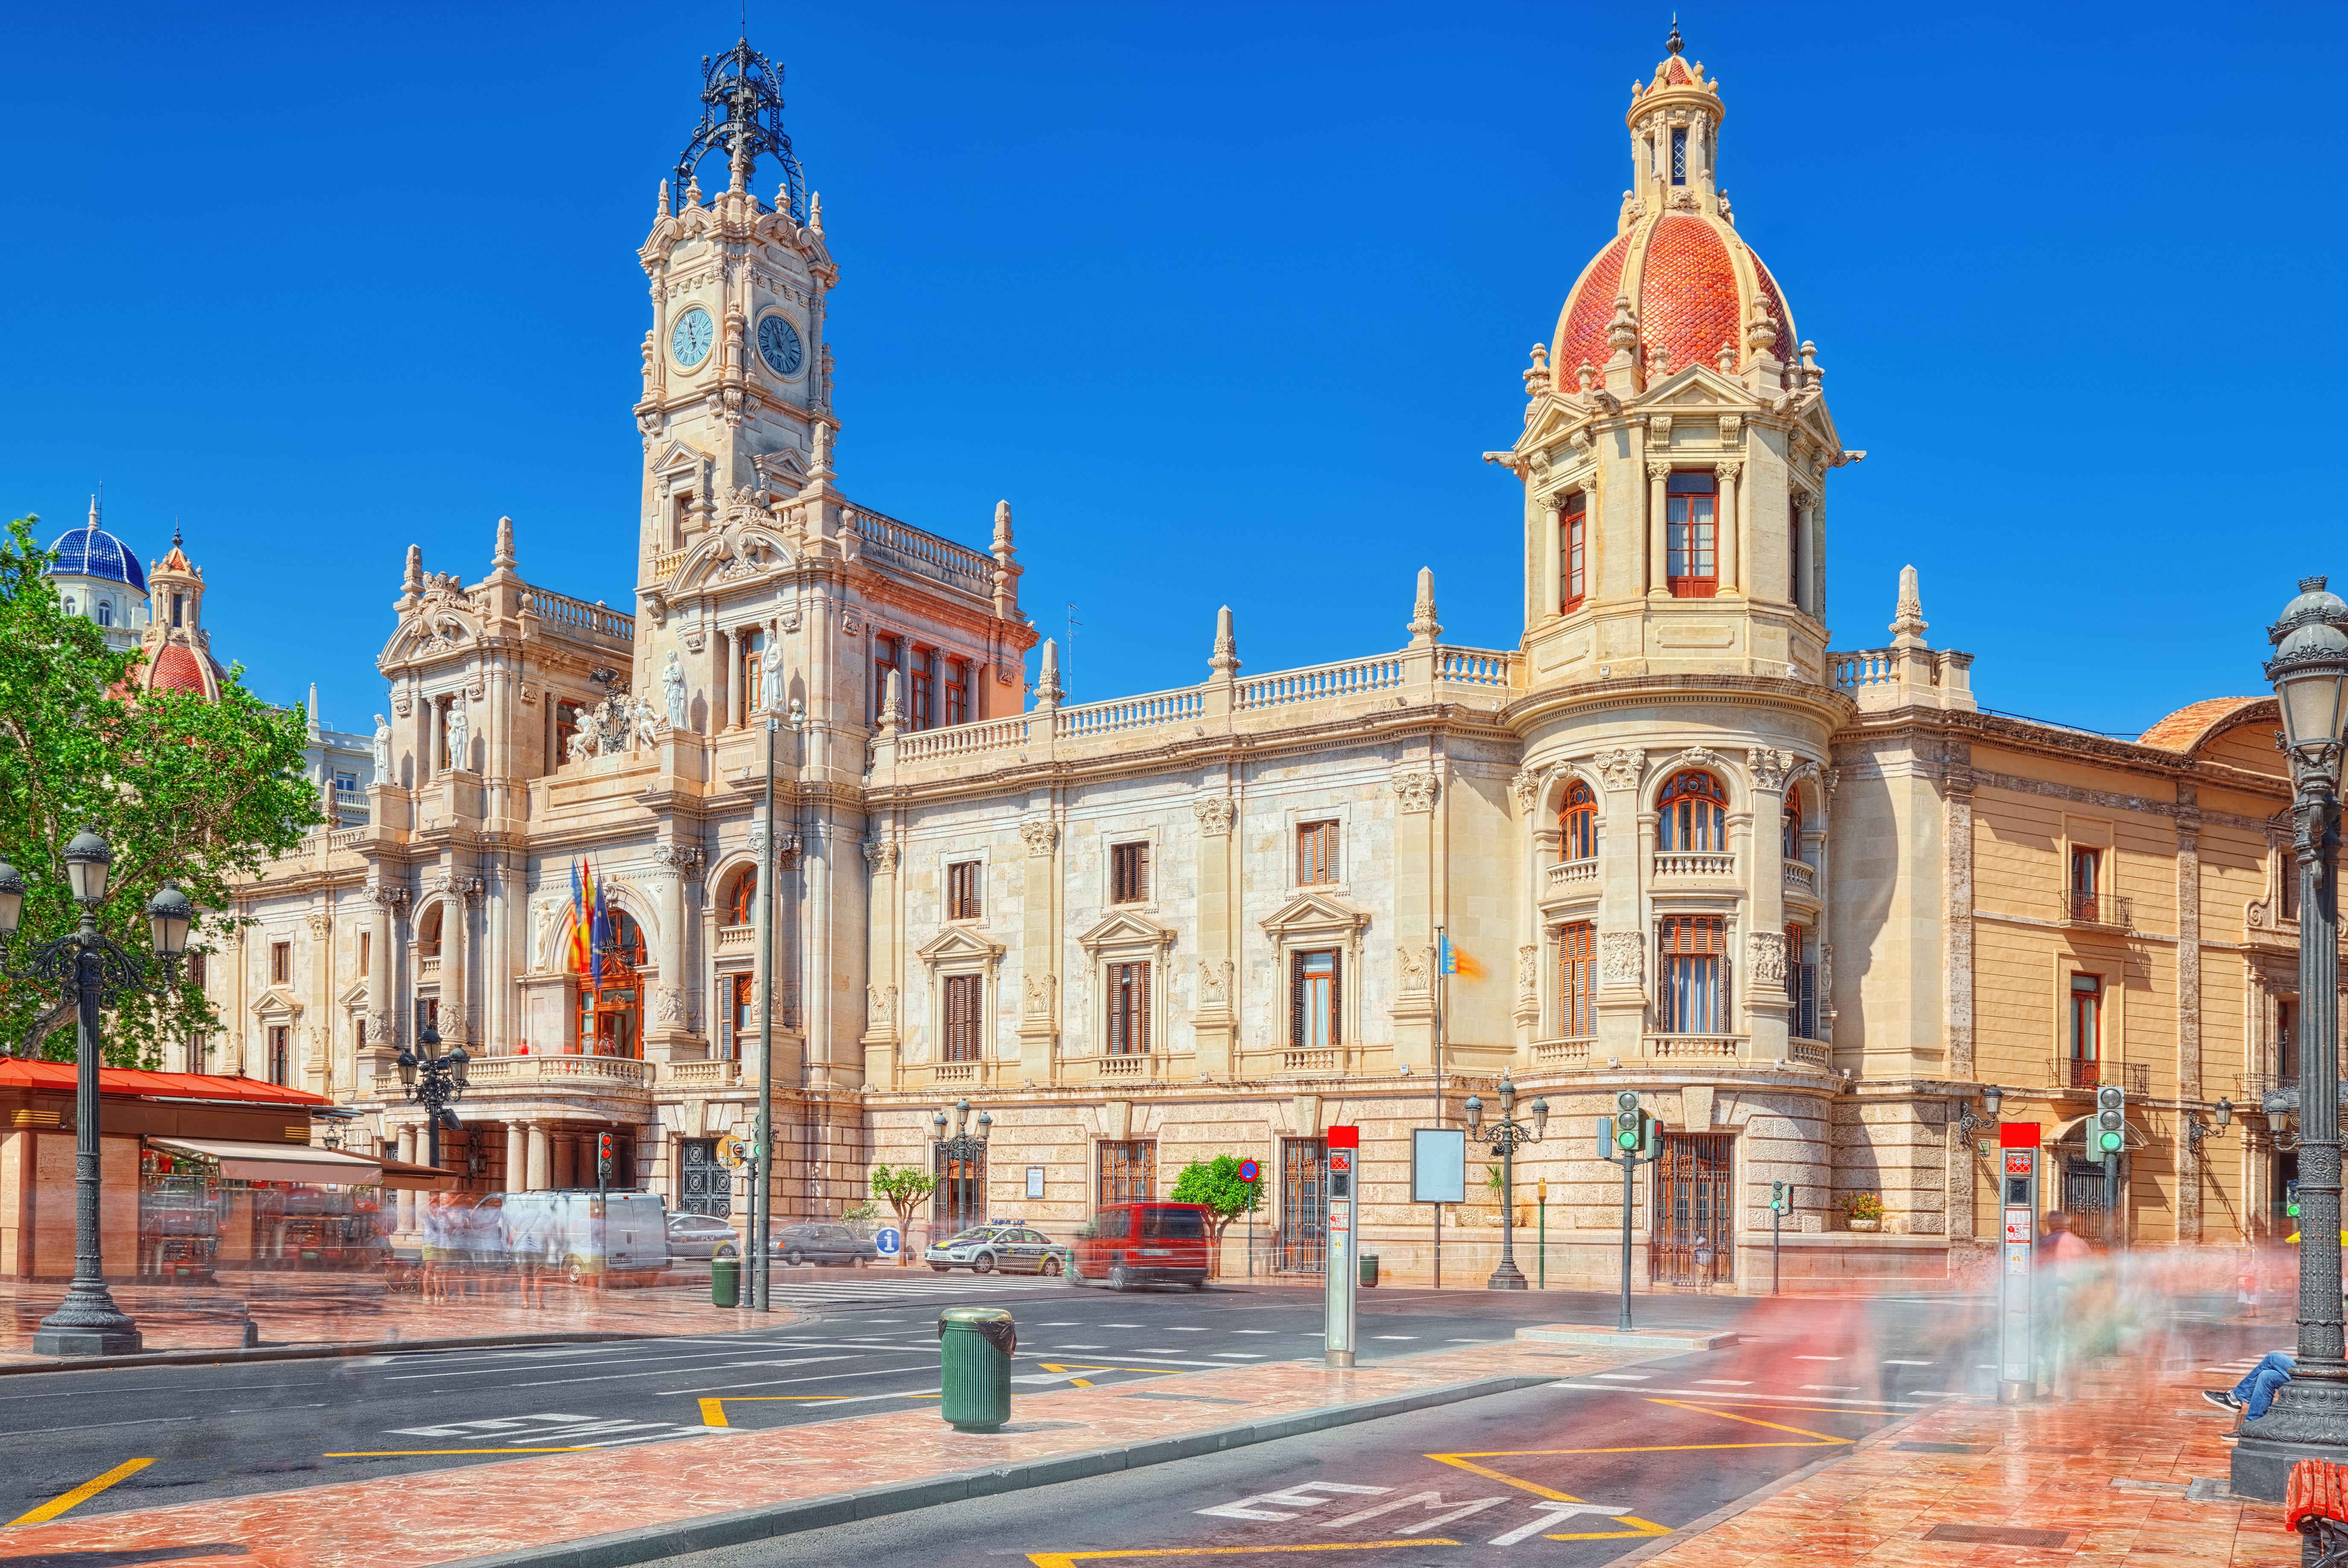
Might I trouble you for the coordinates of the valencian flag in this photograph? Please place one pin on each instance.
(1454, 960)
(575, 957)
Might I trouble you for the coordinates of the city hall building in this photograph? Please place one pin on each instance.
(1804, 901)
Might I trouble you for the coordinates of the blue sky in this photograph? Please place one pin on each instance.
(1227, 300)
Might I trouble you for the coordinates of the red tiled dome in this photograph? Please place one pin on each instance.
(1691, 283)
(176, 669)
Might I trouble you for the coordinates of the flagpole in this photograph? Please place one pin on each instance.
(763, 1185)
(1441, 986)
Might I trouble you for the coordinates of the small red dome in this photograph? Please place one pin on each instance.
(1692, 284)
(176, 669)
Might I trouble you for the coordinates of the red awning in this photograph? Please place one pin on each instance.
(17, 1073)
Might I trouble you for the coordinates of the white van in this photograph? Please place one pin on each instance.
(588, 1236)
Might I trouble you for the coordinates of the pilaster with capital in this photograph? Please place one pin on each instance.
(1214, 1021)
(1733, 553)
(669, 1032)
(1658, 553)
(882, 1030)
(1624, 932)
(1043, 906)
(1768, 999)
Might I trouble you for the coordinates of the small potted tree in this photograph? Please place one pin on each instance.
(1863, 1211)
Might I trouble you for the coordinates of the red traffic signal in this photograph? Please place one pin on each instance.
(603, 1146)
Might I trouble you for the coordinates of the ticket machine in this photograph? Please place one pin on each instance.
(2019, 1159)
(1345, 1269)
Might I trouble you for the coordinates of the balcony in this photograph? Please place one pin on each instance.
(429, 967)
(1567, 1054)
(1801, 877)
(2071, 1073)
(1706, 865)
(733, 939)
(1323, 1062)
(584, 1072)
(1809, 1053)
(1694, 1048)
(1570, 874)
(703, 1075)
(2097, 911)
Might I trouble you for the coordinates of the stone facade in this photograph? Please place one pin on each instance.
(1207, 920)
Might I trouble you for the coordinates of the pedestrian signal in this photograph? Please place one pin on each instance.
(2111, 1119)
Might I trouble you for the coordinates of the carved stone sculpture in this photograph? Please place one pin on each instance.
(1037, 991)
(673, 689)
(1215, 813)
(1413, 965)
(1040, 836)
(1527, 971)
(1621, 768)
(1765, 953)
(1622, 957)
(459, 736)
(382, 750)
(1415, 789)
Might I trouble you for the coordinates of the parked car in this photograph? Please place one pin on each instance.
(812, 1242)
(983, 1249)
(592, 1236)
(1142, 1243)
(698, 1235)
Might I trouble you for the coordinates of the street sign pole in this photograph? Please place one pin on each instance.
(1251, 1174)
(1343, 1270)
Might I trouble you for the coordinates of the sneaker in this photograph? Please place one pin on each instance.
(2221, 1398)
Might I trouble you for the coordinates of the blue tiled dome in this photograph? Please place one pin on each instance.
(91, 551)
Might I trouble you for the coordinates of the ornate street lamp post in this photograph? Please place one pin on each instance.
(96, 971)
(1506, 1135)
(2309, 1419)
(435, 1082)
(964, 1148)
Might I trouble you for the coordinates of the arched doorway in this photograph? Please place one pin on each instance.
(610, 1009)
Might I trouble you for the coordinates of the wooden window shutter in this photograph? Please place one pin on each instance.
(1336, 996)
(1141, 1007)
(1296, 1001)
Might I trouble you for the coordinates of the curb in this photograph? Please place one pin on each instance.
(658, 1541)
(313, 1352)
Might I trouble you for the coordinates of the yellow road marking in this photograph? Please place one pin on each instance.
(713, 1412)
(1068, 1559)
(80, 1494)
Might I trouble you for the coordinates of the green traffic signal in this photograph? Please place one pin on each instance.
(2111, 1143)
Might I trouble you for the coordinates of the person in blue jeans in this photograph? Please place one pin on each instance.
(2254, 1393)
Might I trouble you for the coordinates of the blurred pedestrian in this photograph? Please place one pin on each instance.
(2068, 1278)
(2256, 1391)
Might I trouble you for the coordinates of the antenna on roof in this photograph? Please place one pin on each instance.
(1675, 45)
(1068, 680)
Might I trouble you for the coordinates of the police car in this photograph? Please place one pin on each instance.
(1013, 1247)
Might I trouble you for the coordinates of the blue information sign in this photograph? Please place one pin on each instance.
(887, 1242)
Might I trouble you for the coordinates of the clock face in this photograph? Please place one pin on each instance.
(778, 345)
(690, 342)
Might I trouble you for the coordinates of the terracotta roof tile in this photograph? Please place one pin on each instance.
(2190, 726)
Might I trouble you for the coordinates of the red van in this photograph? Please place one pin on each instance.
(1142, 1243)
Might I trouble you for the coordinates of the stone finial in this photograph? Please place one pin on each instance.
(414, 580)
(1587, 376)
(93, 511)
(313, 704)
(738, 165)
(1225, 661)
(892, 703)
(1048, 676)
(1726, 358)
(693, 191)
(815, 210)
(1812, 376)
(1908, 619)
(504, 555)
(1537, 375)
(819, 459)
(1423, 627)
(1622, 332)
(660, 209)
(1002, 528)
(1760, 332)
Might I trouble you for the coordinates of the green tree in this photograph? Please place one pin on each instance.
(1217, 1185)
(202, 792)
(904, 1188)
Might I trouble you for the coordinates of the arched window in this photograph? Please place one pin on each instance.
(741, 901)
(1694, 809)
(70, 605)
(1790, 833)
(1579, 820)
(106, 612)
(611, 993)
(428, 934)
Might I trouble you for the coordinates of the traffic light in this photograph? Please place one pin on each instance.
(603, 1152)
(1778, 1202)
(2111, 1121)
(1628, 1131)
(2290, 1199)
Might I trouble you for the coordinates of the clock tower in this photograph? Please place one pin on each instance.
(736, 404)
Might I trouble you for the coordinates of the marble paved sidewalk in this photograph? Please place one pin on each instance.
(327, 1309)
(410, 1521)
(2107, 1477)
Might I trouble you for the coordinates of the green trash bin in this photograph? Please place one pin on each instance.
(1369, 1270)
(975, 1347)
(725, 1278)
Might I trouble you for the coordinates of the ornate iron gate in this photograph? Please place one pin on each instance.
(1693, 1242)
(708, 1185)
(1300, 1243)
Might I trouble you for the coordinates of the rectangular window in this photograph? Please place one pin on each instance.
(680, 517)
(1573, 552)
(1691, 535)
(1313, 1004)
(566, 724)
(1316, 853)
(921, 690)
(2086, 1030)
(281, 962)
(1577, 982)
(957, 691)
(280, 1065)
(961, 891)
(964, 995)
(1679, 157)
(1694, 951)
(1128, 874)
(1793, 554)
(1128, 1009)
(2086, 870)
(196, 967)
(1801, 983)
(884, 659)
(746, 1006)
(178, 608)
(358, 1032)
(1129, 1170)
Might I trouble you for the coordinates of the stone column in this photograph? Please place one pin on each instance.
(381, 1035)
(729, 680)
(407, 1199)
(517, 1156)
(1623, 937)
(884, 995)
(1039, 945)
(1732, 555)
(665, 1016)
(1957, 799)
(540, 1173)
(1215, 1023)
(1658, 551)
(1768, 1000)
(1549, 566)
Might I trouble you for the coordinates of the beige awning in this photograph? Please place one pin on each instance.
(401, 1176)
(279, 1161)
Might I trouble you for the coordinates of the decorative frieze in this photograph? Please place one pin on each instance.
(1622, 957)
(1415, 789)
(1765, 959)
(1216, 814)
(1621, 768)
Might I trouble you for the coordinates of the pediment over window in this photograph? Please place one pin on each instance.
(959, 945)
(1125, 929)
(355, 995)
(1315, 915)
(277, 1003)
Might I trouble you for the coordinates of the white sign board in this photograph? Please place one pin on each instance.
(1438, 1165)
